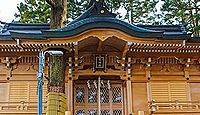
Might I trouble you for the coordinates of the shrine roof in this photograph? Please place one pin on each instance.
(96, 16)
(42, 31)
(5, 33)
(102, 22)
(194, 40)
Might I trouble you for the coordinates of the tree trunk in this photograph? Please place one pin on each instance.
(58, 13)
(56, 101)
(56, 74)
(131, 10)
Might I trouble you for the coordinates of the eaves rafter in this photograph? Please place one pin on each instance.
(32, 47)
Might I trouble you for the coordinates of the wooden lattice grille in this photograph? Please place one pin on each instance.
(169, 91)
(86, 99)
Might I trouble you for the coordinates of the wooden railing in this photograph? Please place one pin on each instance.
(19, 107)
(174, 106)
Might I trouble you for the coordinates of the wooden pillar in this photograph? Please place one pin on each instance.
(70, 87)
(99, 96)
(187, 77)
(129, 86)
(70, 106)
(70, 96)
(129, 97)
(186, 73)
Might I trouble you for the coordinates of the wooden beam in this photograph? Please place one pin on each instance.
(76, 56)
(126, 49)
(99, 48)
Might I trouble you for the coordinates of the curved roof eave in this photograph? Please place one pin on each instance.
(27, 35)
(101, 22)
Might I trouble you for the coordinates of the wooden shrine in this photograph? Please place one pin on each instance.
(113, 67)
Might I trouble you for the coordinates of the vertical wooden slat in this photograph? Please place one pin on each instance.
(169, 91)
(148, 92)
(188, 91)
(124, 102)
(28, 92)
(99, 96)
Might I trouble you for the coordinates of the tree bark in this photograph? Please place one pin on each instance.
(56, 73)
(58, 13)
(56, 100)
(57, 63)
(131, 9)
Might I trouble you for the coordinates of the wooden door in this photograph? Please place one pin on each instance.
(89, 100)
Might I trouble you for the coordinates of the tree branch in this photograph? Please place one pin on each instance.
(51, 2)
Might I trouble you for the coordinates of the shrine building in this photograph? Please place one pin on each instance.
(113, 67)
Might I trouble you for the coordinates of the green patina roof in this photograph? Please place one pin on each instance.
(96, 16)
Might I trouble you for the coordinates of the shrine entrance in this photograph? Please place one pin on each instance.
(98, 96)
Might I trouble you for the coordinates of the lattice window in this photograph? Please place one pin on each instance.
(92, 95)
(117, 95)
(86, 98)
(117, 112)
(105, 112)
(80, 112)
(80, 95)
(104, 95)
(92, 112)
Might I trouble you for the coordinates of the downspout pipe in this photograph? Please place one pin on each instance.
(40, 81)
(40, 75)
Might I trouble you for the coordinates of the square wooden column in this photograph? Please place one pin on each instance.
(129, 97)
(70, 96)
(70, 88)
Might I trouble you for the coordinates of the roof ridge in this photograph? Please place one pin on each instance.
(96, 8)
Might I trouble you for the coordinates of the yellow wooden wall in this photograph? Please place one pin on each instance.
(17, 91)
(169, 91)
(20, 97)
(4, 92)
(25, 91)
(166, 92)
(139, 93)
(195, 91)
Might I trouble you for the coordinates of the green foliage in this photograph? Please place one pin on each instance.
(113, 5)
(140, 11)
(183, 12)
(38, 11)
(33, 11)
(137, 11)
(75, 8)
